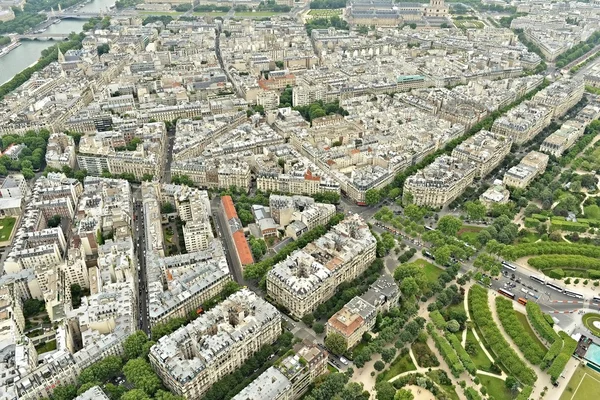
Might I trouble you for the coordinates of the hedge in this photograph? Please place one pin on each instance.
(471, 394)
(438, 320)
(513, 252)
(594, 274)
(540, 324)
(513, 327)
(556, 273)
(563, 358)
(447, 352)
(525, 393)
(531, 223)
(482, 317)
(539, 217)
(462, 354)
(553, 351)
(564, 261)
(569, 226)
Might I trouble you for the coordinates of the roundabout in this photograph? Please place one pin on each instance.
(592, 322)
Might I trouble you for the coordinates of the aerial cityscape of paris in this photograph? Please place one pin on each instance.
(299, 200)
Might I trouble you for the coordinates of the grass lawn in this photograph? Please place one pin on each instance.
(584, 385)
(6, 227)
(210, 14)
(361, 345)
(529, 237)
(588, 321)
(527, 329)
(495, 387)
(479, 358)
(160, 14)
(432, 273)
(468, 233)
(256, 14)
(325, 13)
(46, 347)
(449, 389)
(399, 365)
(456, 307)
(331, 368)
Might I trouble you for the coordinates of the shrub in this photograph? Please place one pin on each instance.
(552, 352)
(513, 327)
(538, 320)
(438, 320)
(525, 393)
(559, 363)
(482, 317)
(556, 273)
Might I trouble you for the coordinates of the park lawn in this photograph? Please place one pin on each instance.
(468, 233)
(46, 347)
(527, 329)
(584, 385)
(256, 14)
(325, 12)
(161, 14)
(529, 237)
(6, 227)
(399, 365)
(210, 13)
(495, 387)
(481, 361)
(432, 273)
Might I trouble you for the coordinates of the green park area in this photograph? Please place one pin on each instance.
(468, 233)
(496, 387)
(584, 385)
(592, 322)
(325, 13)
(401, 364)
(432, 273)
(6, 227)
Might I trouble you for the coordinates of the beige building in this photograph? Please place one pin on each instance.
(560, 141)
(523, 122)
(310, 276)
(521, 175)
(439, 183)
(496, 194)
(194, 357)
(560, 96)
(485, 150)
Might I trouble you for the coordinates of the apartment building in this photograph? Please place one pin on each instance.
(93, 393)
(485, 150)
(358, 316)
(290, 378)
(215, 172)
(495, 194)
(521, 175)
(560, 141)
(560, 96)
(309, 276)
(197, 235)
(191, 359)
(439, 183)
(524, 122)
(60, 151)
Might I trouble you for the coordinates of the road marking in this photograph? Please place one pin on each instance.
(568, 301)
(581, 381)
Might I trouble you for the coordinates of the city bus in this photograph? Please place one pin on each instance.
(596, 299)
(573, 294)
(509, 266)
(538, 280)
(522, 301)
(506, 293)
(427, 227)
(554, 287)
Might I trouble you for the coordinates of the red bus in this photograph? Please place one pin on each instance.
(522, 301)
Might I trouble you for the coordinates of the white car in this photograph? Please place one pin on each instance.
(343, 361)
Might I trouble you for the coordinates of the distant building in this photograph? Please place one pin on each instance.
(521, 175)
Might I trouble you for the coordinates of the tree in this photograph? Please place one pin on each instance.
(167, 208)
(449, 225)
(140, 374)
(414, 212)
(404, 394)
(512, 383)
(336, 343)
(308, 319)
(388, 354)
(372, 197)
(453, 326)
(54, 221)
(442, 255)
(475, 210)
(409, 287)
(65, 392)
(318, 327)
(134, 345)
(379, 365)
(135, 394)
(385, 390)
